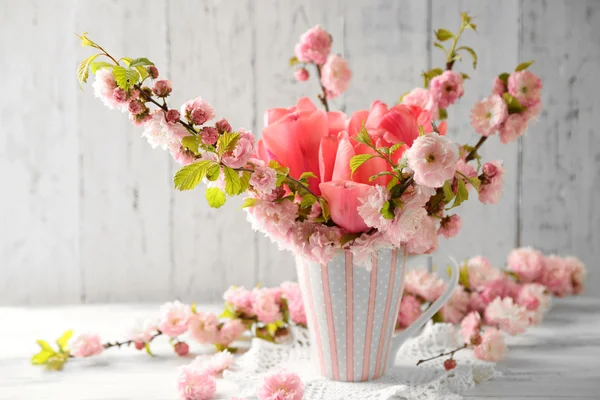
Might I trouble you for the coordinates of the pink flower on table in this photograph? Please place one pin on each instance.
(433, 159)
(104, 86)
(526, 87)
(281, 386)
(215, 364)
(209, 135)
(426, 239)
(508, 316)
(456, 308)
(366, 246)
(499, 86)
(174, 318)
(230, 331)
(335, 76)
(181, 349)
(240, 299)
(293, 296)
(421, 283)
(410, 310)
(370, 207)
(325, 242)
(142, 332)
(480, 270)
(488, 115)
(197, 111)
(204, 327)
(513, 128)
(314, 46)
(450, 226)
(266, 307)
(86, 345)
(492, 347)
(526, 262)
(301, 74)
(423, 99)
(533, 296)
(243, 151)
(556, 276)
(263, 179)
(194, 384)
(447, 88)
(162, 88)
(578, 273)
(492, 184)
(470, 326)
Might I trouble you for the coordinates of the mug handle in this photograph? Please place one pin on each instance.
(398, 339)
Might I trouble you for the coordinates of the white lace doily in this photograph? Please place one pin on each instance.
(406, 380)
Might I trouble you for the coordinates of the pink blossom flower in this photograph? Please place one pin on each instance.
(142, 331)
(499, 86)
(204, 327)
(140, 119)
(174, 318)
(466, 169)
(423, 99)
(370, 207)
(578, 273)
(223, 126)
(266, 306)
(240, 299)
(120, 95)
(366, 246)
(274, 219)
(281, 386)
(104, 86)
(152, 71)
(410, 310)
(162, 88)
(406, 225)
(533, 296)
(556, 276)
(533, 112)
(161, 133)
(433, 159)
(513, 128)
(325, 242)
(181, 349)
(194, 384)
(480, 270)
(302, 74)
(335, 76)
(470, 325)
(197, 111)
(181, 155)
(526, 87)
(421, 283)
(136, 107)
(492, 185)
(426, 239)
(508, 316)
(526, 262)
(491, 289)
(456, 308)
(447, 88)
(209, 135)
(450, 226)
(230, 331)
(86, 345)
(314, 46)
(291, 292)
(263, 179)
(492, 347)
(215, 364)
(488, 115)
(243, 151)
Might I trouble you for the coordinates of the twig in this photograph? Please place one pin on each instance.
(471, 155)
(108, 345)
(450, 353)
(323, 96)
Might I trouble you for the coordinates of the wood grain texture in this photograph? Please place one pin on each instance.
(561, 163)
(557, 360)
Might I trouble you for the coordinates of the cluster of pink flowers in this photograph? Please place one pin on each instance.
(515, 100)
(493, 300)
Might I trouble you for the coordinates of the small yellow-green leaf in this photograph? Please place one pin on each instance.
(42, 357)
(514, 107)
(471, 52)
(396, 147)
(150, 353)
(142, 71)
(272, 328)
(193, 308)
(293, 61)
(98, 65)
(213, 172)
(443, 114)
(83, 69)
(448, 193)
(441, 47)
(324, 208)
(124, 77)
(190, 143)
(364, 138)
(85, 41)
(233, 185)
(44, 345)
(64, 339)
(465, 76)
(463, 276)
(359, 160)
(190, 176)
(504, 77)
(462, 193)
(443, 34)
(524, 65)
(348, 237)
(227, 142)
(387, 211)
(215, 197)
(140, 62)
(249, 202)
(307, 201)
(306, 175)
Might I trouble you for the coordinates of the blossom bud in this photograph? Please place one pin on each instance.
(476, 339)
(490, 170)
(120, 95)
(302, 74)
(139, 345)
(223, 126)
(134, 94)
(209, 135)
(147, 91)
(181, 348)
(152, 71)
(172, 116)
(198, 116)
(162, 88)
(136, 107)
(450, 364)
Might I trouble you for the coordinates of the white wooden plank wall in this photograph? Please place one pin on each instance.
(88, 213)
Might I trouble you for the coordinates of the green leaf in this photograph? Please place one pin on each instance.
(98, 65)
(125, 78)
(142, 71)
(306, 175)
(190, 176)
(514, 107)
(126, 60)
(465, 76)
(443, 34)
(448, 193)
(307, 201)
(272, 328)
(471, 52)
(140, 62)
(437, 318)
(150, 353)
(348, 237)
(280, 179)
(44, 345)
(86, 42)
(190, 143)
(215, 197)
(463, 276)
(396, 147)
(429, 75)
(324, 208)
(364, 138)
(194, 308)
(373, 177)
(359, 160)
(293, 61)
(387, 211)
(83, 69)
(227, 142)
(441, 46)
(233, 184)
(504, 77)
(213, 172)
(42, 357)
(245, 181)
(57, 361)
(443, 114)
(64, 339)
(462, 193)
(524, 65)
(249, 202)
(474, 181)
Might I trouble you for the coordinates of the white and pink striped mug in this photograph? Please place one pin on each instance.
(351, 313)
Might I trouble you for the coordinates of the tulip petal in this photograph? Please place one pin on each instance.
(342, 197)
(372, 167)
(358, 119)
(345, 152)
(327, 152)
(400, 125)
(337, 122)
(305, 104)
(275, 114)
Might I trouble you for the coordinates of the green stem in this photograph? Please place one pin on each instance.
(450, 61)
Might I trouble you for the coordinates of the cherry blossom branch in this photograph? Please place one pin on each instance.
(473, 152)
(108, 345)
(322, 96)
(165, 109)
(450, 353)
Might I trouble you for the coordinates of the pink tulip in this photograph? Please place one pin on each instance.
(342, 197)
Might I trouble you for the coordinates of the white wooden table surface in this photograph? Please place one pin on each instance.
(558, 360)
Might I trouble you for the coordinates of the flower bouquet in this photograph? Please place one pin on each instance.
(339, 191)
